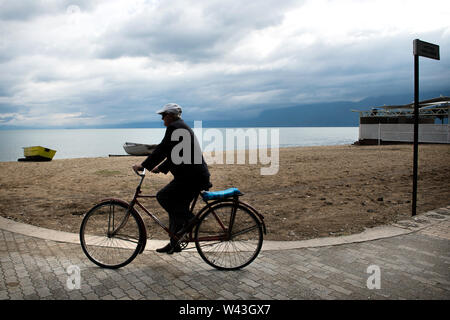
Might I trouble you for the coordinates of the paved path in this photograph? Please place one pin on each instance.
(408, 260)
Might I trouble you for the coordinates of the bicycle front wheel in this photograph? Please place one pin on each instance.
(110, 235)
(228, 237)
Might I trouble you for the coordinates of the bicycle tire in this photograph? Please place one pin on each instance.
(103, 248)
(224, 250)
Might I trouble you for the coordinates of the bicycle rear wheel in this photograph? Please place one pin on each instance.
(109, 235)
(228, 237)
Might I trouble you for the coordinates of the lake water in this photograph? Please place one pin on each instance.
(82, 143)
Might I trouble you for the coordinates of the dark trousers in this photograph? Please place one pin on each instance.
(175, 198)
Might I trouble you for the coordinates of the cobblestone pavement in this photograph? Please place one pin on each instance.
(411, 266)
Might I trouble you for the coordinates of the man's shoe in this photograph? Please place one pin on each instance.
(168, 249)
(174, 249)
(164, 249)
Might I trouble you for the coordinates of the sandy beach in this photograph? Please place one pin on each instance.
(317, 192)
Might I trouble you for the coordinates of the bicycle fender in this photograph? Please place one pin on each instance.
(259, 215)
(114, 200)
(142, 229)
(106, 200)
(143, 239)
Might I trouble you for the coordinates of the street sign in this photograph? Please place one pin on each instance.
(426, 49)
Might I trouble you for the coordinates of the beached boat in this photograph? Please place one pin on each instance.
(138, 149)
(37, 153)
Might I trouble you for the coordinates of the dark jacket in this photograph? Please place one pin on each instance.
(193, 168)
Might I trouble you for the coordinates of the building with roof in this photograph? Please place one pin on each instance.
(394, 124)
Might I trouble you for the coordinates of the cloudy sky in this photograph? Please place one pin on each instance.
(93, 63)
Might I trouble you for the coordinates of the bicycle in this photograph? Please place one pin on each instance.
(228, 233)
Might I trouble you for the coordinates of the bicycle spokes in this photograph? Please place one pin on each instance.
(110, 235)
(229, 236)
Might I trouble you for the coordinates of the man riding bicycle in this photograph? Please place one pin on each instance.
(187, 165)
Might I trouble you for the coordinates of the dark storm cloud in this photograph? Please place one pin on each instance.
(103, 62)
(29, 9)
(184, 31)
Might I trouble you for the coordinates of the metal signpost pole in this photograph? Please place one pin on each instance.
(428, 50)
(416, 132)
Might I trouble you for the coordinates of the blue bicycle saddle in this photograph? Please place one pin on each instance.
(213, 195)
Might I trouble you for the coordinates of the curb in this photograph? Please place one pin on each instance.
(402, 227)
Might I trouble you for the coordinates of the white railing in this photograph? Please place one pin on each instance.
(429, 133)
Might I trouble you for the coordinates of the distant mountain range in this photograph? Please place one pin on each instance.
(330, 114)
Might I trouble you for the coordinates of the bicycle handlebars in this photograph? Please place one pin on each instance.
(142, 174)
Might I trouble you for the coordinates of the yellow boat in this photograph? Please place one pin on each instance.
(37, 153)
